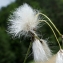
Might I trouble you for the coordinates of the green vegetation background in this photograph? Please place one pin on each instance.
(14, 50)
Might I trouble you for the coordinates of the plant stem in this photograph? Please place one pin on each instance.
(50, 22)
(52, 31)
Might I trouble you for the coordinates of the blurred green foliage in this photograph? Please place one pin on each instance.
(13, 50)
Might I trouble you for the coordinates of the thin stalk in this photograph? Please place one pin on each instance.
(52, 31)
(50, 22)
(30, 47)
(27, 52)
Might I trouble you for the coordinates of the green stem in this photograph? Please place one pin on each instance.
(50, 22)
(27, 52)
(52, 31)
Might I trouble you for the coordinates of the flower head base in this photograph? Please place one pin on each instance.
(24, 19)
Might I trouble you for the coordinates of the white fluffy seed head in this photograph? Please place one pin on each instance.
(59, 58)
(39, 52)
(23, 19)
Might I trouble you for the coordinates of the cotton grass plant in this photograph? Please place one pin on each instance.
(25, 20)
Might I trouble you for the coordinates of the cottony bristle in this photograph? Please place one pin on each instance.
(46, 48)
(38, 51)
(59, 58)
(23, 19)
